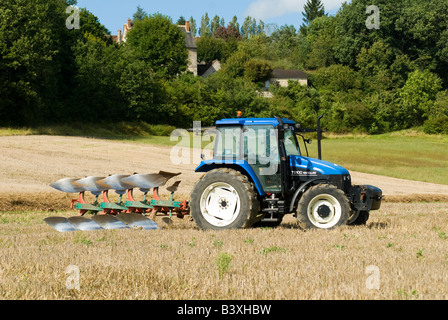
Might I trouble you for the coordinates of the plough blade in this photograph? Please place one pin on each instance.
(109, 222)
(67, 185)
(115, 182)
(60, 224)
(138, 221)
(168, 175)
(84, 224)
(174, 187)
(91, 184)
(145, 182)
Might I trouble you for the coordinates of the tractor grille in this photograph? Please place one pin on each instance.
(343, 182)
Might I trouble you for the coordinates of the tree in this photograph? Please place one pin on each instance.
(229, 33)
(313, 9)
(251, 28)
(205, 29)
(256, 70)
(35, 60)
(417, 98)
(216, 23)
(90, 24)
(193, 28)
(139, 14)
(353, 35)
(234, 23)
(438, 115)
(322, 39)
(181, 21)
(210, 49)
(235, 64)
(160, 44)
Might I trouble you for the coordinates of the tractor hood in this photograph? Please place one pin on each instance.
(304, 166)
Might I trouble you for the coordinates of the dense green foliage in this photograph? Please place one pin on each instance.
(364, 80)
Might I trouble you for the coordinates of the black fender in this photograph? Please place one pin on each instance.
(302, 187)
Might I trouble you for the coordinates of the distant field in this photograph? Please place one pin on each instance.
(406, 155)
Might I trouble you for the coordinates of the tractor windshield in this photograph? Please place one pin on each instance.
(291, 145)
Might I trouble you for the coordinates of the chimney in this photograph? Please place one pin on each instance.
(119, 36)
(187, 26)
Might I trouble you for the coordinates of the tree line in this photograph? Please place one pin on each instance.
(364, 80)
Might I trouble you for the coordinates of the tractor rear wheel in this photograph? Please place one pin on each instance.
(224, 199)
(323, 207)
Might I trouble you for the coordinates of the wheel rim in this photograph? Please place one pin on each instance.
(324, 211)
(220, 204)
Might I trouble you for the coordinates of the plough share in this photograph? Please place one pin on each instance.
(123, 214)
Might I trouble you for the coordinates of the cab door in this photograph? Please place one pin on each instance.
(261, 152)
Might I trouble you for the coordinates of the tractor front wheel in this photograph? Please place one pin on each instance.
(224, 199)
(323, 207)
(358, 218)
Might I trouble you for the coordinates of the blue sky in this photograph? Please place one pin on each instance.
(114, 13)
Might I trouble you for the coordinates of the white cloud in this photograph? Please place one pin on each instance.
(266, 9)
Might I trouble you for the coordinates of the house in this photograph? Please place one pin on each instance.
(192, 48)
(207, 69)
(121, 36)
(190, 44)
(281, 77)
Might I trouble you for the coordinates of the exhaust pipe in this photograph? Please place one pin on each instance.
(319, 137)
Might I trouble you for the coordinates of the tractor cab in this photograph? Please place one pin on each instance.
(268, 150)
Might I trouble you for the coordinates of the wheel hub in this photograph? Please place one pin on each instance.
(324, 211)
(223, 203)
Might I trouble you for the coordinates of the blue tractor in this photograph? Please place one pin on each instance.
(259, 174)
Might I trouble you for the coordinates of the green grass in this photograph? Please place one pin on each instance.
(406, 155)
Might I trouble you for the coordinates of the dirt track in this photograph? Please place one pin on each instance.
(30, 163)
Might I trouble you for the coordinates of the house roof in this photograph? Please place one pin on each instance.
(289, 74)
(189, 40)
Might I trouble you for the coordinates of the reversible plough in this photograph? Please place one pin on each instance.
(129, 213)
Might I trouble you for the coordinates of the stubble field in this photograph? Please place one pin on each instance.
(402, 253)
